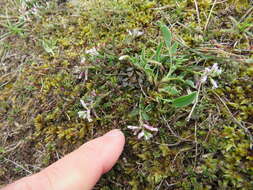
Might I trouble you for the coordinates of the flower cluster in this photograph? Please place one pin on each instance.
(86, 114)
(143, 131)
(135, 32)
(214, 71)
(93, 52)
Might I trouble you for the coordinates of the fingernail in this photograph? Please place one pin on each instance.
(114, 133)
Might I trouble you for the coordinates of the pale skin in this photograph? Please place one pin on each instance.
(79, 170)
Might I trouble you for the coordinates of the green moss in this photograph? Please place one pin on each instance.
(43, 96)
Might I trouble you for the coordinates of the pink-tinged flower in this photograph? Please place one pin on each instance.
(142, 131)
(148, 127)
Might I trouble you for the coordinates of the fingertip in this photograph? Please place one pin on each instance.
(113, 143)
(116, 133)
(80, 169)
(93, 159)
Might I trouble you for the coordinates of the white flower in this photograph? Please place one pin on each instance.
(93, 51)
(133, 127)
(214, 83)
(147, 135)
(144, 134)
(84, 104)
(215, 70)
(141, 134)
(135, 32)
(123, 57)
(82, 114)
(83, 60)
(203, 79)
(85, 114)
(209, 73)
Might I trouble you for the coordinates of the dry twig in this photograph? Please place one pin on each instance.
(197, 10)
(210, 13)
(18, 165)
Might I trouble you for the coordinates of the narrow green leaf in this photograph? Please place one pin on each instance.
(166, 35)
(170, 90)
(184, 100)
(135, 112)
(158, 52)
(149, 108)
(142, 57)
(173, 49)
(190, 83)
(145, 116)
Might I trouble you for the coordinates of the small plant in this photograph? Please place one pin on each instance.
(166, 73)
(208, 73)
(143, 129)
(24, 10)
(49, 45)
(13, 29)
(161, 69)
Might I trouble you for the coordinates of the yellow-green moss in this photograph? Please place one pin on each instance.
(44, 95)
